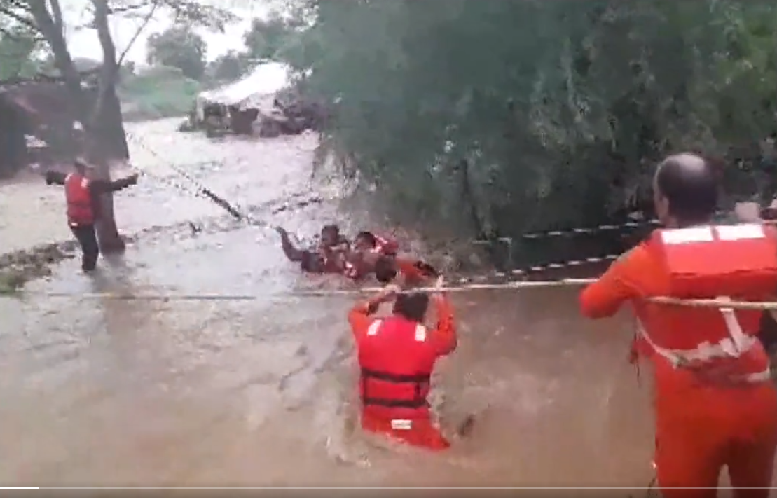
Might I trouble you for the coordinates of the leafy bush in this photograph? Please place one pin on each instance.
(157, 92)
(488, 116)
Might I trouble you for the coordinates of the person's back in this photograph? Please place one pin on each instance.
(396, 356)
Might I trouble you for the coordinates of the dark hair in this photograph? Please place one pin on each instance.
(385, 269)
(330, 228)
(412, 306)
(369, 237)
(689, 183)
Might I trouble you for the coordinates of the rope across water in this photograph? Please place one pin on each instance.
(518, 285)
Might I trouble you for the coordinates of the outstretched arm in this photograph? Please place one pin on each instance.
(98, 187)
(604, 297)
(292, 253)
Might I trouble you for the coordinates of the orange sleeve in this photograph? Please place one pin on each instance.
(444, 337)
(604, 297)
(415, 272)
(360, 318)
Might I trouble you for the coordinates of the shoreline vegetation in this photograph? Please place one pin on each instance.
(157, 93)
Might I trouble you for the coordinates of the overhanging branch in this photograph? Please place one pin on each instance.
(146, 20)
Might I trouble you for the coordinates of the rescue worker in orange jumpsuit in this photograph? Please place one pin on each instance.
(396, 356)
(715, 405)
(84, 208)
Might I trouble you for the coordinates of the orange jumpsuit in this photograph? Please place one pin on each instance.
(709, 413)
(397, 357)
(414, 271)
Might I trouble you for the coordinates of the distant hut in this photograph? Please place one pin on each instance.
(237, 106)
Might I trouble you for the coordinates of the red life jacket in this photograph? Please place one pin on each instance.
(725, 262)
(396, 361)
(385, 246)
(354, 271)
(79, 200)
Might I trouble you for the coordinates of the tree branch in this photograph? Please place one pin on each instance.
(56, 13)
(140, 29)
(14, 35)
(25, 21)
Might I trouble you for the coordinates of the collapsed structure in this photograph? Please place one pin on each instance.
(37, 118)
(263, 102)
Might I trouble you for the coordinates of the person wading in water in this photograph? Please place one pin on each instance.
(715, 404)
(328, 257)
(84, 208)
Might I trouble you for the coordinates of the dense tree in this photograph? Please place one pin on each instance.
(229, 66)
(181, 47)
(512, 116)
(267, 35)
(21, 53)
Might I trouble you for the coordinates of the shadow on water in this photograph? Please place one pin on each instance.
(261, 392)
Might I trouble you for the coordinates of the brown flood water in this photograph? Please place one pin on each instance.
(261, 393)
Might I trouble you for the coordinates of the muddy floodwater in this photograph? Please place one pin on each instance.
(261, 393)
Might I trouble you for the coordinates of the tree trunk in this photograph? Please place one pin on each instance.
(107, 129)
(102, 122)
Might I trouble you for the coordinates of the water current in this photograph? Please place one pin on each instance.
(261, 393)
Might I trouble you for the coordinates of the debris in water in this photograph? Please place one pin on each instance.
(466, 426)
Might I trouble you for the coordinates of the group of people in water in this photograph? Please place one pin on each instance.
(368, 254)
(715, 401)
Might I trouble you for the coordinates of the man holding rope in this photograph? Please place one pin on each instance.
(715, 405)
(82, 196)
(397, 355)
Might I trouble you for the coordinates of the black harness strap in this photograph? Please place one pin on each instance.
(419, 381)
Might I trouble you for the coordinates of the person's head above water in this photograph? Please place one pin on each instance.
(365, 241)
(385, 269)
(685, 191)
(330, 235)
(412, 306)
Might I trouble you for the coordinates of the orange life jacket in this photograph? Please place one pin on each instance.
(385, 246)
(79, 200)
(396, 361)
(725, 262)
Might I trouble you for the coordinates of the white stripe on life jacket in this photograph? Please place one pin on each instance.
(374, 327)
(732, 346)
(420, 330)
(707, 233)
(84, 180)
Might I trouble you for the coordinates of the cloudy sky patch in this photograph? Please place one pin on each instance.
(84, 43)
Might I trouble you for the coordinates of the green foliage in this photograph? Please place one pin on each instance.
(513, 116)
(21, 53)
(267, 36)
(178, 46)
(157, 92)
(228, 67)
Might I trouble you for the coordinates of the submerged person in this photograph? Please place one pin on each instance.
(396, 356)
(84, 208)
(715, 404)
(328, 257)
